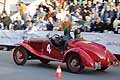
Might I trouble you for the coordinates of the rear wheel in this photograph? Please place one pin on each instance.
(102, 69)
(20, 55)
(74, 63)
(44, 61)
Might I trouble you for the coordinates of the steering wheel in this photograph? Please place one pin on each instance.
(55, 37)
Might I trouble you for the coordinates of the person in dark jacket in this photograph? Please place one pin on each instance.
(109, 25)
(5, 20)
(98, 26)
(50, 24)
(17, 25)
(67, 34)
(61, 41)
(77, 34)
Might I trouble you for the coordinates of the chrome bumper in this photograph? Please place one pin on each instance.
(116, 63)
(97, 65)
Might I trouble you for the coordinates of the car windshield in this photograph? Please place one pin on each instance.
(52, 33)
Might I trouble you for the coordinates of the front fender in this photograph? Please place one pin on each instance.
(86, 59)
(29, 48)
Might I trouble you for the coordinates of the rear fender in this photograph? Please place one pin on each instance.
(111, 56)
(86, 59)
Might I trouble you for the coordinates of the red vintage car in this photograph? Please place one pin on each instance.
(76, 53)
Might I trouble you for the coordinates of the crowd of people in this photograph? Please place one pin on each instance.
(88, 15)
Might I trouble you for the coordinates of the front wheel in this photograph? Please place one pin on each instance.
(74, 63)
(20, 55)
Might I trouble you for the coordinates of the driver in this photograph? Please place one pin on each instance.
(67, 35)
(65, 38)
(60, 42)
(77, 33)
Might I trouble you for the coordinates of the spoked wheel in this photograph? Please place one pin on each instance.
(20, 55)
(102, 69)
(44, 61)
(74, 63)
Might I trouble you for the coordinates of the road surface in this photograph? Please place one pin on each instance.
(35, 70)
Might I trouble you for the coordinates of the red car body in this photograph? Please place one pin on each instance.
(77, 54)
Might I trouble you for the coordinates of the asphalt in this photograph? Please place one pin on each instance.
(35, 70)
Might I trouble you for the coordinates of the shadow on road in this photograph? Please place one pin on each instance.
(53, 66)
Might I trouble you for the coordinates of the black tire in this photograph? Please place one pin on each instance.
(102, 69)
(20, 55)
(74, 63)
(44, 61)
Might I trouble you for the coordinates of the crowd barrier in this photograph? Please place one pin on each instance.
(11, 38)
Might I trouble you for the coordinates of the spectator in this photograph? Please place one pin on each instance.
(85, 13)
(6, 21)
(75, 17)
(50, 24)
(116, 22)
(81, 21)
(40, 24)
(29, 18)
(84, 5)
(52, 15)
(61, 1)
(36, 13)
(61, 14)
(87, 24)
(108, 25)
(15, 25)
(66, 23)
(93, 14)
(66, 6)
(98, 25)
(40, 13)
(110, 3)
(29, 25)
(22, 8)
(109, 13)
(77, 34)
(1, 23)
(118, 30)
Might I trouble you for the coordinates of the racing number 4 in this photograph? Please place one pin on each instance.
(48, 48)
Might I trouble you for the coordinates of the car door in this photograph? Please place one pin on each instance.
(51, 51)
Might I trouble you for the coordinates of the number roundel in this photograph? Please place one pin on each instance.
(48, 48)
